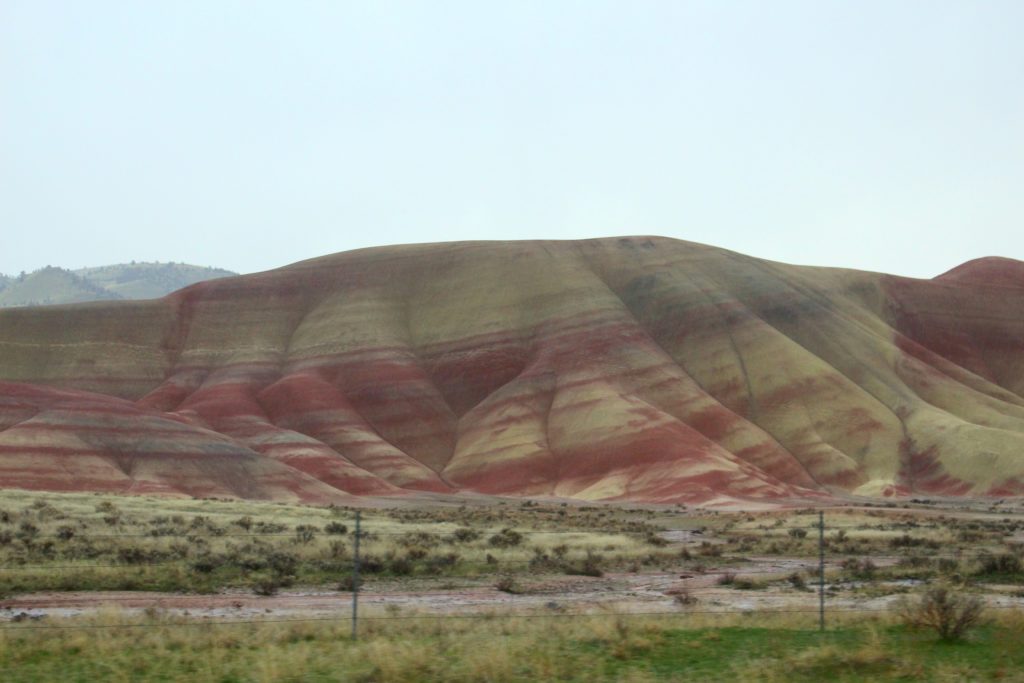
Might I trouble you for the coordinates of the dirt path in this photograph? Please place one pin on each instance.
(623, 592)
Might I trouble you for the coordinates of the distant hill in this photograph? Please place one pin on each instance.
(149, 280)
(53, 285)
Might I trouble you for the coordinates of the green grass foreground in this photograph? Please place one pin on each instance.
(598, 648)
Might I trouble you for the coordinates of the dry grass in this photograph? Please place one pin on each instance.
(95, 542)
(388, 650)
(190, 545)
(868, 661)
(500, 647)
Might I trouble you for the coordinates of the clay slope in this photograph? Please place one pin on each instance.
(642, 369)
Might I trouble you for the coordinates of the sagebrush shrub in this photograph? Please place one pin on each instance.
(506, 538)
(950, 614)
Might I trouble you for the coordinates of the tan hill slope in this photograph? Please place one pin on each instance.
(642, 369)
(52, 285)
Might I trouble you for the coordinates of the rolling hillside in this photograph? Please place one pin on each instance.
(52, 285)
(148, 280)
(642, 369)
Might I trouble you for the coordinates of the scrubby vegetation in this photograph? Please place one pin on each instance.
(92, 542)
(89, 542)
(157, 647)
(944, 610)
(516, 551)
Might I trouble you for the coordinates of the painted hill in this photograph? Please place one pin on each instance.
(643, 369)
(52, 285)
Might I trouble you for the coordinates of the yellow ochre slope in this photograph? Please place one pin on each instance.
(640, 368)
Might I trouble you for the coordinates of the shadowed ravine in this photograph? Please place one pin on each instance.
(643, 369)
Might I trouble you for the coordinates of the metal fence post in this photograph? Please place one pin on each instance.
(355, 581)
(821, 570)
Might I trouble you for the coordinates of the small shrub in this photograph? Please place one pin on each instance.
(244, 522)
(998, 565)
(908, 541)
(250, 563)
(861, 569)
(418, 538)
(798, 533)
(336, 550)
(400, 566)
(304, 533)
(416, 553)
(436, 564)
(655, 540)
(948, 613)
(914, 561)
(46, 511)
(335, 529)
(684, 597)
(283, 563)
(371, 564)
(267, 584)
(132, 555)
(204, 565)
(588, 566)
(709, 549)
(507, 584)
(506, 538)
(347, 583)
(465, 535)
(797, 581)
(727, 579)
(27, 531)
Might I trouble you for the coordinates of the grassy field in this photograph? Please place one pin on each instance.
(89, 542)
(599, 648)
(86, 542)
(69, 542)
(76, 542)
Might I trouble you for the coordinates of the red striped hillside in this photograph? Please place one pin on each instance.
(635, 369)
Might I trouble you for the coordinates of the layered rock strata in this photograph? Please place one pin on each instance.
(640, 369)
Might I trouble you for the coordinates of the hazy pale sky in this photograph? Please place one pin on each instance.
(879, 135)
